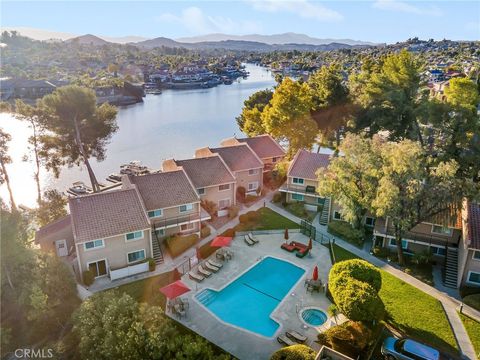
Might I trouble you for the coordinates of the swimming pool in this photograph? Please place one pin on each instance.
(249, 300)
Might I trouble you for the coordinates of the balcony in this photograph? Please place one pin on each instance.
(166, 223)
(300, 189)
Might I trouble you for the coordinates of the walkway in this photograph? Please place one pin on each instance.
(449, 303)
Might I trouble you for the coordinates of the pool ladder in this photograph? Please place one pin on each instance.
(206, 297)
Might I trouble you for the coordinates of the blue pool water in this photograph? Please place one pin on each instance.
(314, 317)
(248, 301)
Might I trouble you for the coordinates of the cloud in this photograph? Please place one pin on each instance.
(302, 8)
(196, 22)
(404, 6)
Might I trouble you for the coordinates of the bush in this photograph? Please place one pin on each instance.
(229, 232)
(350, 338)
(210, 207)
(381, 252)
(277, 197)
(205, 231)
(344, 230)
(422, 258)
(233, 211)
(473, 301)
(468, 290)
(177, 244)
(250, 198)
(151, 264)
(360, 270)
(241, 194)
(88, 277)
(294, 352)
(243, 218)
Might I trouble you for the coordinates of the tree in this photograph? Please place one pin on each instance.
(412, 189)
(250, 120)
(388, 94)
(352, 179)
(294, 352)
(29, 114)
(77, 128)
(287, 117)
(5, 159)
(354, 285)
(52, 207)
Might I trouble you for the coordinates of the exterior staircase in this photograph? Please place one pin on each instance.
(451, 268)
(157, 251)
(325, 212)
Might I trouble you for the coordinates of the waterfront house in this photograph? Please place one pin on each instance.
(111, 232)
(242, 161)
(264, 146)
(211, 178)
(57, 237)
(170, 201)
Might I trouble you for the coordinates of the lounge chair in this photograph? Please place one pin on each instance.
(215, 263)
(203, 271)
(282, 339)
(248, 241)
(195, 276)
(289, 248)
(229, 254)
(296, 336)
(253, 238)
(210, 267)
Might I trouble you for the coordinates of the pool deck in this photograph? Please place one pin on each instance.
(244, 344)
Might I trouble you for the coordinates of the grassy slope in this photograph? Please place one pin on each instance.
(473, 330)
(412, 311)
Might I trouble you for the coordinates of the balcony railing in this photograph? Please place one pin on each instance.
(431, 239)
(160, 223)
(300, 189)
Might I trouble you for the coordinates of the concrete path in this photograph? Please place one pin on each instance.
(450, 304)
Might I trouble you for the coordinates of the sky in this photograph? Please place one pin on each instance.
(375, 20)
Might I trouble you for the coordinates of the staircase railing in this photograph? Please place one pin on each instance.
(158, 242)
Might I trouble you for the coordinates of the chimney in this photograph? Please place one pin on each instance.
(203, 152)
(169, 165)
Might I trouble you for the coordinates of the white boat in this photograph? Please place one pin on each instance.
(79, 188)
(114, 177)
(134, 168)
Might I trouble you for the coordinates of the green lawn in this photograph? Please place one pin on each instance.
(411, 311)
(267, 220)
(473, 330)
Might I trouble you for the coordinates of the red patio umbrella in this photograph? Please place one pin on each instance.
(310, 244)
(175, 289)
(199, 256)
(315, 273)
(221, 241)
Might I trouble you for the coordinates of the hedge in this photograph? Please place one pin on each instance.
(473, 301)
(294, 352)
(178, 244)
(344, 230)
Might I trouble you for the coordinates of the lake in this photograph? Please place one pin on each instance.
(172, 124)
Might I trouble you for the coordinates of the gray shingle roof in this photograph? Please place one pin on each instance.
(106, 214)
(165, 189)
(239, 157)
(50, 231)
(305, 164)
(473, 224)
(208, 171)
(264, 146)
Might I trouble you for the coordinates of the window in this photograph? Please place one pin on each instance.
(224, 187)
(94, 244)
(136, 256)
(436, 229)
(185, 227)
(155, 213)
(369, 221)
(253, 186)
(298, 181)
(201, 191)
(440, 251)
(476, 255)
(337, 215)
(186, 207)
(134, 235)
(160, 232)
(298, 197)
(474, 277)
(222, 204)
(393, 242)
(253, 172)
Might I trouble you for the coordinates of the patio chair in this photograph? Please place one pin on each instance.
(210, 267)
(180, 311)
(282, 339)
(296, 336)
(185, 303)
(215, 263)
(203, 271)
(195, 276)
(220, 255)
(229, 254)
(253, 238)
(248, 241)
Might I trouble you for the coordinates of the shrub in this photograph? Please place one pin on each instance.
(204, 232)
(422, 258)
(294, 352)
(250, 198)
(210, 207)
(177, 244)
(241, 193)
(350, 338)
(469, 290)
(360, 270)
(344, 230)
(252, 216)
(229, 232)
(233, 211)
(151, 264)
(277, 197)
(381, 252)
(243, 218)
(88, 277)
(472, 300)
